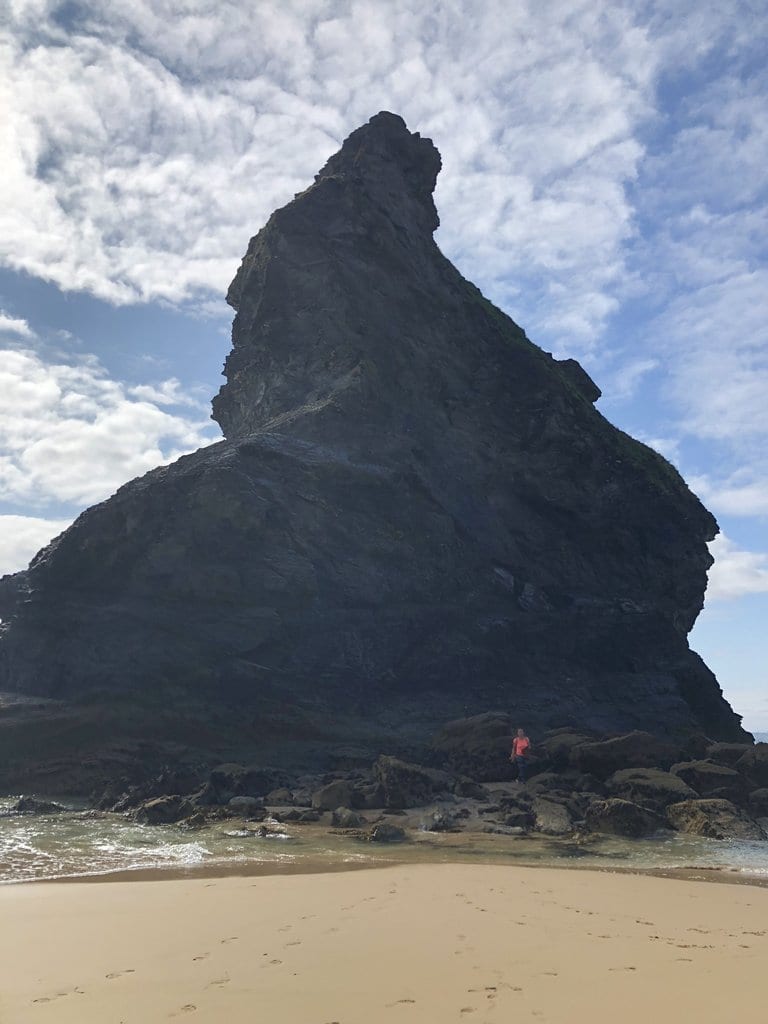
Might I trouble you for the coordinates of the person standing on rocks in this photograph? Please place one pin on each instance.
(520, 747)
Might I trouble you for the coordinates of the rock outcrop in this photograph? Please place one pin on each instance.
(417, 515)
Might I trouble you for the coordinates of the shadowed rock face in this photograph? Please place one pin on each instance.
(417, 515)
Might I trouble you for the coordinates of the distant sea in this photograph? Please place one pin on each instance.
(761, 737)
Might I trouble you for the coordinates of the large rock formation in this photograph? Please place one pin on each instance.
(416, 515)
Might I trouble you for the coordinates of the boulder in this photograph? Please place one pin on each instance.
(31, 805)
(753, 763)
(518, 817)
(558, 744)
(163, 810)
(333, 795)
(714, 819)
(441, 820)
(367, 796)
(469, 789)
(228, 780)
(649, 787)
(280, 797)
(343, 817)
(632, 750)
(758, 803)
(384, 832)
(712, 780)
(727, 754)
(553, 819)
(408, 785)
(249, 807)
(477, 747)
(622, 818)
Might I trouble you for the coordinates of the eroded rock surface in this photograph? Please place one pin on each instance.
(417, 515)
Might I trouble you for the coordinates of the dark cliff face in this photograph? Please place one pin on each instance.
(416, 514)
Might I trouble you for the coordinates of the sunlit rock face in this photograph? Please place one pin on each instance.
(416, 514)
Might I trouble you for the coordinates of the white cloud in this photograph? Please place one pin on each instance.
(15, 326)
(146, 142)
(68, 433)
(624, 382)
(735, 572)
(739, 495)
(21, 537)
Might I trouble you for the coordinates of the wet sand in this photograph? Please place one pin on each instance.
(426, 943)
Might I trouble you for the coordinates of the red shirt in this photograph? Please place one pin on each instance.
(520, 746)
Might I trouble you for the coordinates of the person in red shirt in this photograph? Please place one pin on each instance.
(520, 747)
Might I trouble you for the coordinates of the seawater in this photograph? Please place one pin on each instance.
(88, 844)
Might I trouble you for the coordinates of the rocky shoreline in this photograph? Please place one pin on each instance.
(631, 785)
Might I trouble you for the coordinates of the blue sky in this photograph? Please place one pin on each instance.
(604, 183)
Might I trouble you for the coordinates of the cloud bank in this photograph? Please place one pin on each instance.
(71, 435)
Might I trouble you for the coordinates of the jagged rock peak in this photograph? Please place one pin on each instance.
(305, 293)
(384, 153)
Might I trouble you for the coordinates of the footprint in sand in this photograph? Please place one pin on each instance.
(186, 1008)
(119, 974)
(218, 981)
(59, 995)
(232, 938)
(203, 956)
(397, 1002)
(296, 942)
(467, 1009)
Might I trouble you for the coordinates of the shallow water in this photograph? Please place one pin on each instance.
(78, 844)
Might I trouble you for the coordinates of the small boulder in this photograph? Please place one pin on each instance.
(441, 820)
(163, 810)
(248, 806)
(408, 785)
(714, 819)
(333, 795)
(712, 780)
(518, 817)
(649, 787)
(343, 817)
(384, 832)
(622, 818)
(550, 818)
(31, 805)
(366, 796)
(468, 789)
(280, 797)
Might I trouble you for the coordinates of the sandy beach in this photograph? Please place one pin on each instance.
(427, 943)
